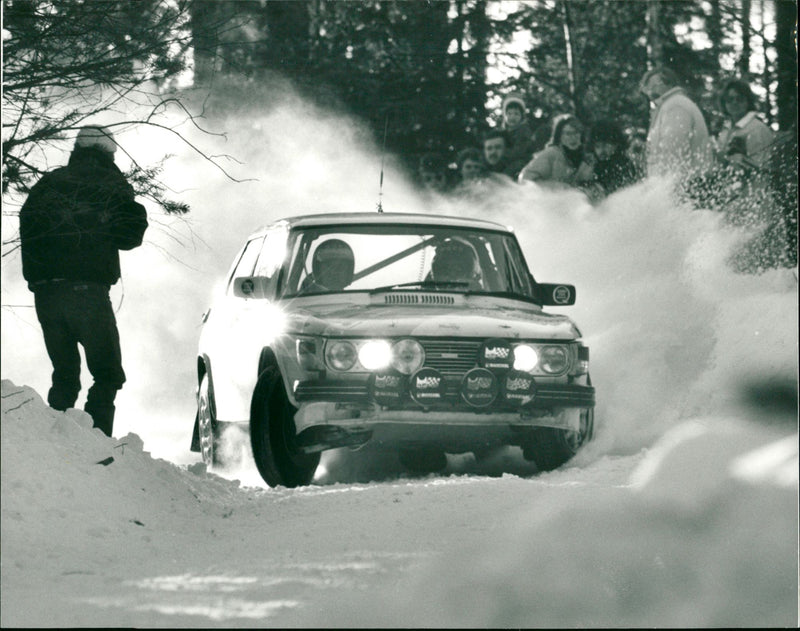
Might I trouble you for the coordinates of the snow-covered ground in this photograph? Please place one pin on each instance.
(682, 512)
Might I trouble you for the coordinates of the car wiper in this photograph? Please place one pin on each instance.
(429, 285)
(414, 283)
(510, 294)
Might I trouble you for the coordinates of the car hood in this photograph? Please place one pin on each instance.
(479, 317)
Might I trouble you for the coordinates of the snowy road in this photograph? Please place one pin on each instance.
(141, 542)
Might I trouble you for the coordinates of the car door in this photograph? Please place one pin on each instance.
(224, 340)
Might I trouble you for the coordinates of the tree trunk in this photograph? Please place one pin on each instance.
(715, 29)
(572, 73)
(744, 58)
(205, 40)
(767, 75)
(655, 48)
(786, 49)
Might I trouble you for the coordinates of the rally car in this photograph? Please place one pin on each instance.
(420, 334)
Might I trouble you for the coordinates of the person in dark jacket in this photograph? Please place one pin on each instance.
(72, 225)
(613, 169)
(519, 134)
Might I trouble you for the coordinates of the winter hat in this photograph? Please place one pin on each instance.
(97, 137)
(516, 98)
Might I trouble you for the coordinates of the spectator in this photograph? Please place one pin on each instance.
(678, 140)
(433, 173)
(637, 151)
(518, 134)
(563, 160)
(612, 167)
(746, 140)
(471, 165)
(72, 226)
(495, 146)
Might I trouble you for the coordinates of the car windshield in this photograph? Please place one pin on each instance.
(408, 258)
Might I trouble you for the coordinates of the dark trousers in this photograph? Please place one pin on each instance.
(73, 313)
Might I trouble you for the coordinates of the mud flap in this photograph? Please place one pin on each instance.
(195, 446)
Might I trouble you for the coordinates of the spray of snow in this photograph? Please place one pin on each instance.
(696, 372)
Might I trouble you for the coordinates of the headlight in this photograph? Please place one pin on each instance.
(375, 354)
(340, 355)
(407, 356)
(525, 358)
(554, 359)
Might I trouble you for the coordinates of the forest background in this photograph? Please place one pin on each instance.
(422, 75)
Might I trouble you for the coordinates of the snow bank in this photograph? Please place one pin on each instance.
(704, 533)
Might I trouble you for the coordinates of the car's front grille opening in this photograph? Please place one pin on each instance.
(451, 356)
(418, 299)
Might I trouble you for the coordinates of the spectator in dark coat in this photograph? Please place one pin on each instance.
(495, 148)
(519, 134)
(72, 226)
(613, 169)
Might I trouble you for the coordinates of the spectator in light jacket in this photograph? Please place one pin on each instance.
(678, 139)
(563, 162)
(746, 140)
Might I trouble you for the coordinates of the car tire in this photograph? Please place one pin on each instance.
(207, 425)
(423, 460)
(272, 435)
(550, 448)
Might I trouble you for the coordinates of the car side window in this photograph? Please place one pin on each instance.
(248, 259)
(270, 259)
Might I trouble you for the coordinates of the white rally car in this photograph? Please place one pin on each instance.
(421, 334)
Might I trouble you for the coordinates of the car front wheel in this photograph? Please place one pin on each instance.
(550, 448)
(272, 435)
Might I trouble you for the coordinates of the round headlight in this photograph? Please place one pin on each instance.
(340, 355)
(375, 354)
(554, 359)
(525, 358)
(407, 356)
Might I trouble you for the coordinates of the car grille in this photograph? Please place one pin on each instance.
(451, 357)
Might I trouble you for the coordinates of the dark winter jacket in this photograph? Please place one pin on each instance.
(614, 173)
(77, 218)
(520, 148)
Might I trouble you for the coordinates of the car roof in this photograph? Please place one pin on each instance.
(376, 218)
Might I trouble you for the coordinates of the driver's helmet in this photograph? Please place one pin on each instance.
(333, 264)
(454, 261)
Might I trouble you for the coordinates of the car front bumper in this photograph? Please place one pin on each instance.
(339, 413)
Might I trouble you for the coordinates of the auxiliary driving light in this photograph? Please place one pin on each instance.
(407, 356)
(340, 355)
(375, 354)
(525, 358)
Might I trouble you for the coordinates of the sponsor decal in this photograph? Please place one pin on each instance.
(562, 294)
(427, 383)
(493, 352)
(496, 354)
(388, 388)
(479, 387)
(518, 387)
(427, 386)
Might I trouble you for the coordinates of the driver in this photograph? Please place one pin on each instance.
(455, 261)
(332, 267)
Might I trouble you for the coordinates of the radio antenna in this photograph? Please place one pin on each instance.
(383, 156)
